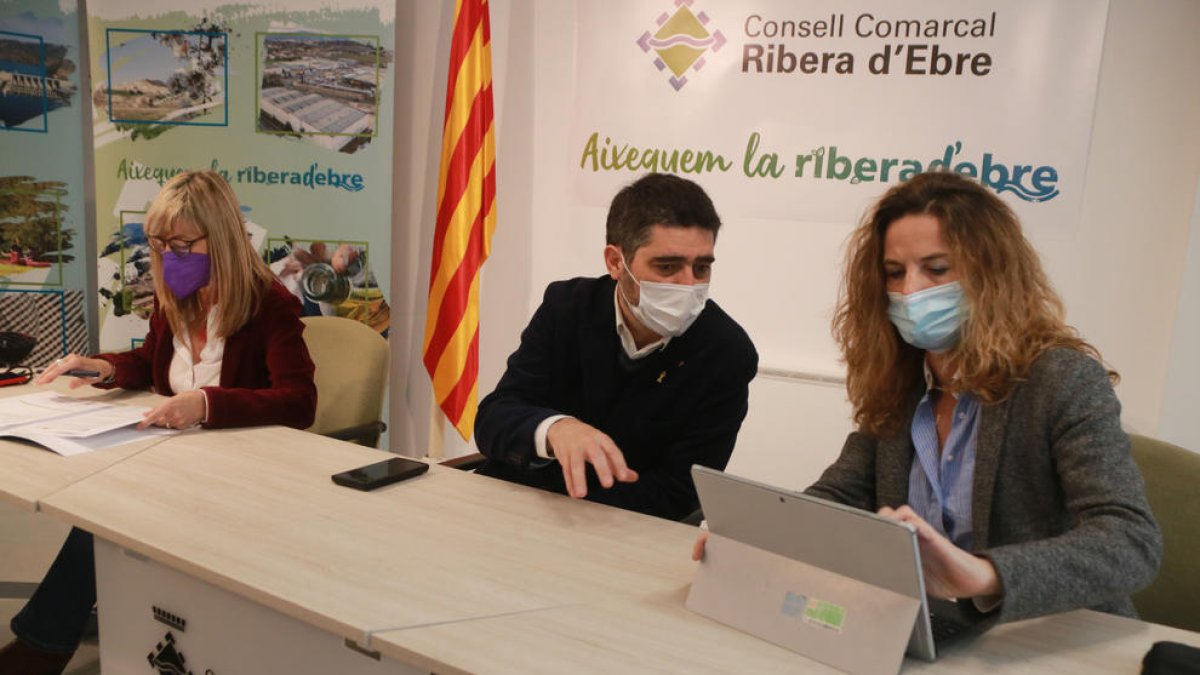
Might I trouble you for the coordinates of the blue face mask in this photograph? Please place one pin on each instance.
(928, 319)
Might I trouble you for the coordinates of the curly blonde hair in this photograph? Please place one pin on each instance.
(1013, 313)
(240, 278)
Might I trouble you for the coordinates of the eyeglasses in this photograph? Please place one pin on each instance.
(180, 247)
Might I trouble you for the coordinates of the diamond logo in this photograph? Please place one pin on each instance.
(166, 659)
(681, 42)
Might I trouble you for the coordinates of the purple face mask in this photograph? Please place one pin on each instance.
(185, 276)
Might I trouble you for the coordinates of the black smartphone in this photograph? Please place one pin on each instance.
(379, 474)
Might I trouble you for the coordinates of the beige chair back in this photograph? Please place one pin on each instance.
(1173, 487)
(352, 372)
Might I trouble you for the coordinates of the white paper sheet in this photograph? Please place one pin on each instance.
(71, 426)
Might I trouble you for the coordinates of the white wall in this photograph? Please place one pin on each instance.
(1121, 274)
(420, 29)
(793, 431)
(1178, 423)
(1120, 271)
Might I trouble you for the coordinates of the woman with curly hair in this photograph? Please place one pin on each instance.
(983, 419)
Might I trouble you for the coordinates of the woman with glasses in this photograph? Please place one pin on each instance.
(984, 421)
(224, 346)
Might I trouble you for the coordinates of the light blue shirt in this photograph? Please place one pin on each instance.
(940, 488)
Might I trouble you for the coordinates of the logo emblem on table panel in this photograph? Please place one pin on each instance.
(166, 659)
(681, 42)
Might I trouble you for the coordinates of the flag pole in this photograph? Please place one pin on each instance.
(437, 432)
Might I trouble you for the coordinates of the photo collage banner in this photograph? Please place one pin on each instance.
(42, 273)
(292, 107)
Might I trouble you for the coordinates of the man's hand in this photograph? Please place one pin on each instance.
(181, 411)
(575, 445)
(698, 546)
(950, 572)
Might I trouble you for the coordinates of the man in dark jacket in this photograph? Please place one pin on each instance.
(623, 382)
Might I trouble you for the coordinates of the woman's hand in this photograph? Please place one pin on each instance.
(950, 572)
(181, 411)
(76, 362)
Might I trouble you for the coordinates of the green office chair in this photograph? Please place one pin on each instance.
(351, 378)
(1172, 478)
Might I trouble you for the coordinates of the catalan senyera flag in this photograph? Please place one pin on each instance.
(466, 218)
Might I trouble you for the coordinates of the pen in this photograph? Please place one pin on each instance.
(77, 372)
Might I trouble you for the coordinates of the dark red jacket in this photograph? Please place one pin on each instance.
(266, 372)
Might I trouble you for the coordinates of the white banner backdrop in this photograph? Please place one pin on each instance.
(806, 111)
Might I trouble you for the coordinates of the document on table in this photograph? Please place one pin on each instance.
(71, 426)
(18, 410)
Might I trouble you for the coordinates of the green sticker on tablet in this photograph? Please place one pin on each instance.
(825, 614)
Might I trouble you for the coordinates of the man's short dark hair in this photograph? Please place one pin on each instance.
(657, 199)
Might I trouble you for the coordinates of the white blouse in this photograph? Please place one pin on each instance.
(183, 375)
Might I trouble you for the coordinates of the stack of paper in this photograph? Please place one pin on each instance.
(70, 426)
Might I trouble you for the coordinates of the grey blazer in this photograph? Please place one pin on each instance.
(1058, 505)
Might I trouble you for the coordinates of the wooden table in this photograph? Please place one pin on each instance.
(1083, 642)
(655, 634)
(31, 473)
(253, 512)
(453, 572)
(649, 633)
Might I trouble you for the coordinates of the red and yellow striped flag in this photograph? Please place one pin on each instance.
(466, 218)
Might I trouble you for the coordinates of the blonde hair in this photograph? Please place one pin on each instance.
(239, 277)
(1013, 313)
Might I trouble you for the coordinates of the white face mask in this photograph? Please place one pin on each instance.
(667, 309)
